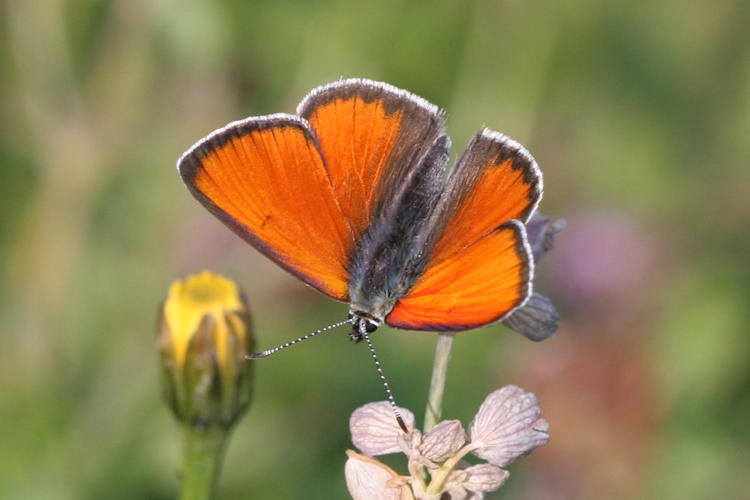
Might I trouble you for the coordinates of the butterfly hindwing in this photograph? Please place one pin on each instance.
(477, 286)
(266, 179)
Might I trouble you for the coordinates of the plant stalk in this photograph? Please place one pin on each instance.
(203, 454)
(434, 409)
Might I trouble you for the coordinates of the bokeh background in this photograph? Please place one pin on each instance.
(638, 113)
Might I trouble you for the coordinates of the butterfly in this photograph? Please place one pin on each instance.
(351, 195)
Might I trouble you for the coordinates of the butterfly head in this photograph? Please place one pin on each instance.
(362, 323)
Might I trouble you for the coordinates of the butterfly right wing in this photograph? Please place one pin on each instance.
(495, 180)
(481, 284)
(481, 267)
(265, 178)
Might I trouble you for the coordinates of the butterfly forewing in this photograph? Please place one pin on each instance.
(495, 180)
(266, 179)
(373, 137)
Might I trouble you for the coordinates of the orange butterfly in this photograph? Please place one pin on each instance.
(351, 196)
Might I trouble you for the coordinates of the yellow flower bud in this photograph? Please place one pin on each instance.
(203, 336)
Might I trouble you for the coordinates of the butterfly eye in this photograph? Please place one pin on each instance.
(370, 326)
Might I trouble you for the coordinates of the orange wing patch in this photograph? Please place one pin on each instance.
(265, 178)
(480, 285)
(494, 181)
(371, 135)
(356, 138)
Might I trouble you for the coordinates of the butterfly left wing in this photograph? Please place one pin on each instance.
(265, 178)
(481, 266)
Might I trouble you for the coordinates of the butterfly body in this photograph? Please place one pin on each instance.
(393, 251)
(351, 196)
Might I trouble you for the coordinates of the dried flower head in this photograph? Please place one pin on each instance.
(473, 481)
(538, 319)
(370, 479)
(507, 426)
(443, 441)
(375, 431)
(541, 231)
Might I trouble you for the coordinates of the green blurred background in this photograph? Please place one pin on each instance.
(638, 113)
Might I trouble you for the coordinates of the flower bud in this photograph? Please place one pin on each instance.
(443, 441)
(375, 430)
(203, 336)
(508, 426)
(541, 232)
(369, 479)
(477, 479)
(537, 320)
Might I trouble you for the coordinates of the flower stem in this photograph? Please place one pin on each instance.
(437, 384)
(203, 454)
(439, 477)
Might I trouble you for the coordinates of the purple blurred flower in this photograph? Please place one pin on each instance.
(604, 259)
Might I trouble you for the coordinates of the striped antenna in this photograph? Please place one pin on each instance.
(266, 353)
(385, 383)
